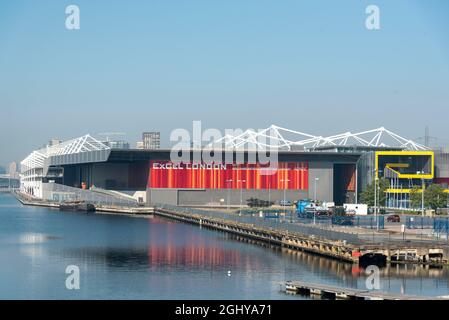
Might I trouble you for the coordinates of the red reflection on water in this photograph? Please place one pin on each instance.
(169, 246)
(201, 255)
(356, 270)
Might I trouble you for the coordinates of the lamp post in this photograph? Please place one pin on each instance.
(316, 200)
(229, 192)
(284, 182)
(447, 206)
(376, 180)
(422, 192)
(269, 192)
(241, 193)
(422, 197)
(378, 204)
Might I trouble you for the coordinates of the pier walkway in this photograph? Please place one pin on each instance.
(331, 243)
(334, 292)
(345, 246)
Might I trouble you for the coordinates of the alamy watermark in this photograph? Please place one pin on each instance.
(372, 282)
(72, 282)
(212, 148)
(372, 21)
(72, 21)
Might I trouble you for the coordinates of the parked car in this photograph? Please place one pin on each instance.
(344, 223)
(342, 220)
(286, 203)
(394, 218)
(254, 202)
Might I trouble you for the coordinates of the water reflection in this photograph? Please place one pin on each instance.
(343, 269)
(124, 257)
(34, 238)
(164, 257)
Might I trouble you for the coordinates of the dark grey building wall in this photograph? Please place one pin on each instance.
(110, 175)
(220, 197)
(441, 164)
(102, 175)
(167, 196)
(324, 172)
(215, 197)
(365, 171)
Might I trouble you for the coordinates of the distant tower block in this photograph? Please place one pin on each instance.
(54, 142)
(13, 170)
(151, 140)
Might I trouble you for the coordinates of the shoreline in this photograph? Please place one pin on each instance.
(332, 249)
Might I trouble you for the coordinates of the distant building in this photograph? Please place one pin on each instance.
(54, 142)
(139, 145)
(151, 140)
(117, 144)
(13, 170)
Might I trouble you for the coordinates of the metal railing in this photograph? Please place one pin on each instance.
(419, 222)
(320, 230)
(274, 224)
(441, 225)
(369, 222)
(58, 193)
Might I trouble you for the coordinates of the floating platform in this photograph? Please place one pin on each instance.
(127, 210)
(80, 206)
(335, 292)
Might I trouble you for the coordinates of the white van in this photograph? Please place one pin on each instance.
(356, 209)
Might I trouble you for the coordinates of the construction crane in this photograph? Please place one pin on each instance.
(427, 138)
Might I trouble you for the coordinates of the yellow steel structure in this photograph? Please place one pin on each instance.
(398, 194)
(403, 165)
(407, 190)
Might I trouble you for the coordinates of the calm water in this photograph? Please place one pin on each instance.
(122, 257)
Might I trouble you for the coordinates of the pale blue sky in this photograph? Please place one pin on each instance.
(158, 65)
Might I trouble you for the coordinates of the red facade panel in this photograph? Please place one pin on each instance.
(444, 182)
(349, 177)
(288, 175)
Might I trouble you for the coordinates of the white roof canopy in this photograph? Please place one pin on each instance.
(275, 137)
(85, 143)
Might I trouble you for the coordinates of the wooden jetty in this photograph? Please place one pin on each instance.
(128, 210)
(335, 292)
(28, 201)
(378, 254)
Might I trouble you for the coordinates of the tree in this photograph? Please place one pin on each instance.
(367, 196)
(434, 197)
(416, 197)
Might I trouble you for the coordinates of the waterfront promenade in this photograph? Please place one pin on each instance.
(355, 245)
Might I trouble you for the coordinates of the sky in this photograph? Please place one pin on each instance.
(138, 66)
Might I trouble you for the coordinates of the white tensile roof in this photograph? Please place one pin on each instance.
(275, 137)
(85, 143)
